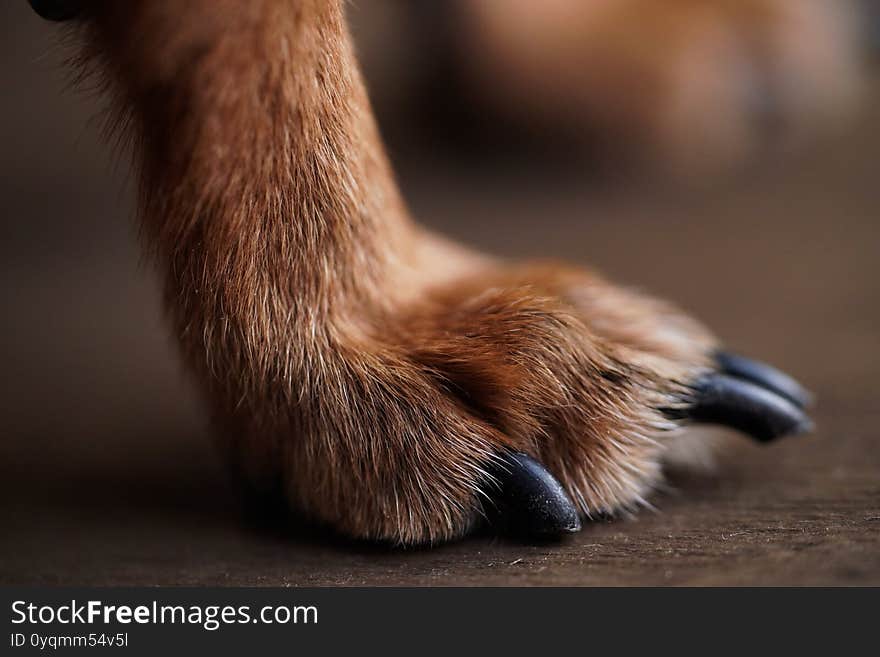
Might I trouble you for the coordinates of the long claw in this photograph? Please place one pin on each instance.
(530, 500)
(763, 375)
(56, 10)
(761, 413)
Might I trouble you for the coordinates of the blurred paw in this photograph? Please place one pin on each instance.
(692, 85)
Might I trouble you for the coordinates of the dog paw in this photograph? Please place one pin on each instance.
(526, 399)
(692, 85)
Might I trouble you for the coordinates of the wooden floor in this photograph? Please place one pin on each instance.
(106, 471)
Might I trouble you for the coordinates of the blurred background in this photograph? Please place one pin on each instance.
(720, 154)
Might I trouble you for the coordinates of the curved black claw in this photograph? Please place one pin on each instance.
(740, 404)
(763, 375)
(56, 10)
(529, 500)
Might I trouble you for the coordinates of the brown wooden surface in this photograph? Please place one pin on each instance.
(106, 471)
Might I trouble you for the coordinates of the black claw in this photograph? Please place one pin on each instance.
(765, 376)
(529, 500)
(747, 407)
(56, 10)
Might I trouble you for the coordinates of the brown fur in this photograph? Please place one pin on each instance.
(370, 369)
(690, 85)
